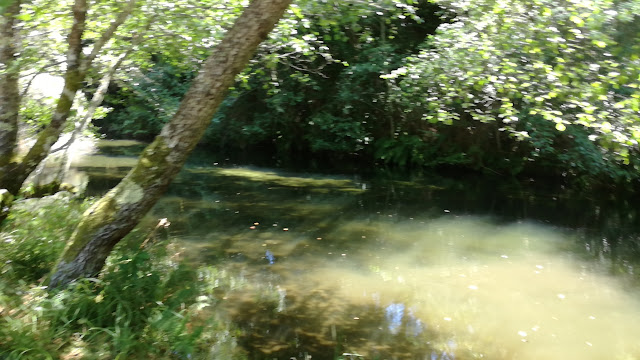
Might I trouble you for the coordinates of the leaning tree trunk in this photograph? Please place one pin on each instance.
(120, 210)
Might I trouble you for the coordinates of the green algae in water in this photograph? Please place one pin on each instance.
(284, 180)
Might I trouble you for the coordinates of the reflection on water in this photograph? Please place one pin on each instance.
(338, 267)
(449, 288)
(478, 289)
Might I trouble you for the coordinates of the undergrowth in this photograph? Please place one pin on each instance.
(145, 303)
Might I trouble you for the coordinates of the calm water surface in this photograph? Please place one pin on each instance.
(339, 266)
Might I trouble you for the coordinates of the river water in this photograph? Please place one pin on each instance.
(430, 268)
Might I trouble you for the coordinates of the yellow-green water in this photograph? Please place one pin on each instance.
(410, 270)
(502, 292)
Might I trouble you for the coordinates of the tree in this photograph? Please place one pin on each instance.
(312, 90)
(80, 126)
(14, 171)
(525, 66)
(120, 210)
(9, 98)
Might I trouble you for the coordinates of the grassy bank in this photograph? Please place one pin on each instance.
(145, 304)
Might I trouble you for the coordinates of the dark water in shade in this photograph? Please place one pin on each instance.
(343, 267)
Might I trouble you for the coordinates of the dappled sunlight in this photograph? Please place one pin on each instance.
(104, 143)
(278, 179)
(103, 161)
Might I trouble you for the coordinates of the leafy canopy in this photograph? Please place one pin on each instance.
(571, 62)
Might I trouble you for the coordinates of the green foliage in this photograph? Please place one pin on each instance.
(503, 87)
(157, 73)
(36, 113)
(403, 151)
(335, 134)
(40, 53)
(582, 159)
(35, 234)
(140, 112)
(571, 64)
(411, 151)
(4, 4)
(317, 91)
(144, 304)
(135, 298)
(181, 33)
(313, 87)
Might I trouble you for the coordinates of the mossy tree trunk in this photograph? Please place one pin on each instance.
(120, 210)
(9, 98)
(9, 91)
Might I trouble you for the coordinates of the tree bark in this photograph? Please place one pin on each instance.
(9, 101)
(120, 210)
(9, 90)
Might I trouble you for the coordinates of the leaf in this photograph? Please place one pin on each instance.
(560, 127)
(23, 17)
(297, 12)
(577, 20)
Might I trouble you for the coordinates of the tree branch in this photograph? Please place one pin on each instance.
(98, 96)
(108, 34)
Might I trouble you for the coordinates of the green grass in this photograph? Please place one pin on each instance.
(143, 305)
